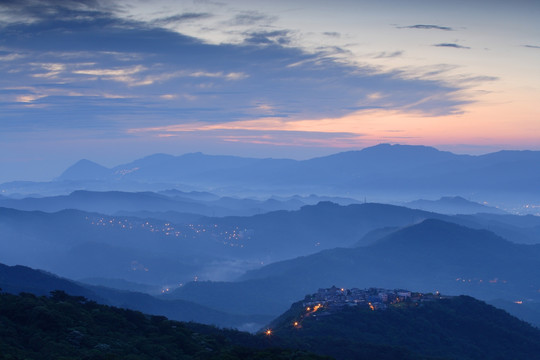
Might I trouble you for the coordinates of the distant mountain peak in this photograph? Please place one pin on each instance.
(158, 156)
(400, 147)
(331, 323)
(384, 168)
(85, 163)
(85, 169)
(455, 198)
(452, 205)
(443, 235)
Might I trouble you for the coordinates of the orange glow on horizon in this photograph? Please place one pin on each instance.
(493, 121)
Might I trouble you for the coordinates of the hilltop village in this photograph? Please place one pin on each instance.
(329, 301)
(335, 298)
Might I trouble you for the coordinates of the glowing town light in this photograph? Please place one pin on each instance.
(268, 332)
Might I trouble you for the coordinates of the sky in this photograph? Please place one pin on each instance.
(112, 81)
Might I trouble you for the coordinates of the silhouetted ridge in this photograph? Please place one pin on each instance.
(390, 169)
(17, 279)
(162, 167)
(452, 205)
(71, 327)
(447, 328)
(85, 170)
(434, 232)
(431, 255)
(445, 239)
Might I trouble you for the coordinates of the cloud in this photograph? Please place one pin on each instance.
(52, 70)
(532, 46)
(477, 79)
(112, 74)
(250, 18)
(386, 55)
(292, 138)
(29, 98)
(10, 56)
(451, 45)
(279, 37)
(332, 33)
(264, 136)
(180, 18)
(220, 74)
(28, 11)
(426, 27)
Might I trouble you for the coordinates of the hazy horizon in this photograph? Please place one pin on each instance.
(121, 80)
(32, 174)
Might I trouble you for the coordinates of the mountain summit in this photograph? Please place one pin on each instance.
(409, 325)
(85, 170)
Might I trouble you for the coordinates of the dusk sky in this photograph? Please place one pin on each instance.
(112, 81)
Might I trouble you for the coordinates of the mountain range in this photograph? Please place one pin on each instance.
(22, 279)
(453, 205)
(450, 328)
(429, 256)
(176, 202)
(73, 323)
(234, 241)
(415, 166)
(151, 249)
(385, 172)
(63, 326)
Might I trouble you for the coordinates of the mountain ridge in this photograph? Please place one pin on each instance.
(385, 172)
(432, 255)
(456, 328)
(452, 205)
(18, 278)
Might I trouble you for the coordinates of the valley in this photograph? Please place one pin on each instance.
(240, 262)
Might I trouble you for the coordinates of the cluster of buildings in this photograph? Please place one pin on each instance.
(335, 298)
(326, 302)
